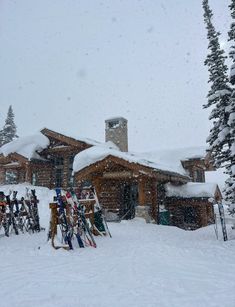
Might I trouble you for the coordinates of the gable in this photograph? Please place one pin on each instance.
(58, 140)
(112, 164)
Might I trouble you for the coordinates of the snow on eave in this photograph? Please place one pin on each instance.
(27, 147)
(72, 136)
(173, 158)
(192, 190)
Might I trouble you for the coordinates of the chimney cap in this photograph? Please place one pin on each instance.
(119, 118)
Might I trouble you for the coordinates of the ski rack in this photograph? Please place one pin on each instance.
(80, 219)
(71, 216)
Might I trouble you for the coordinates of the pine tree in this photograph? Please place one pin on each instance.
(219, 93)
(1, 138)
(8, 133)
(230, 166)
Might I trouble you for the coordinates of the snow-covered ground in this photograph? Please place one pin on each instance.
(142, 265)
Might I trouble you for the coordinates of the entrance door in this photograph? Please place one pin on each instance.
(163, 216)
(129, 200)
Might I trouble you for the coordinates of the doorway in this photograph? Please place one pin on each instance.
(128, 200)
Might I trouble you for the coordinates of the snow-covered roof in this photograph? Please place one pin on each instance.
(191, 189)
(97, 153)
(75, 136)
(172, 158)
(27, 146)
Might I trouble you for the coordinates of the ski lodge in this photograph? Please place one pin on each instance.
(166, 187)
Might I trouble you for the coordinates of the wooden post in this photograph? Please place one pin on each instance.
(141, 188)
(154, 207)
(97, 185)
(53, 222)
(28, 173)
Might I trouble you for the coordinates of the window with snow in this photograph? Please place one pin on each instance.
(199, 175)
(11, 177)
(34, 178)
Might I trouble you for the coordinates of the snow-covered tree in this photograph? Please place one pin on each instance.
(219, 93)
(1, 138)
(230, 165)
(8, 133)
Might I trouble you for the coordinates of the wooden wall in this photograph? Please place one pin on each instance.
(109, 195)
(44, 175)
(203, 208)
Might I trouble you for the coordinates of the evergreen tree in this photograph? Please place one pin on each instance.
(230, 165)
(1, 138)
(8, 133)
(219, 93)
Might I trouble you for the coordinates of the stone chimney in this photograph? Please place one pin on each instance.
(116, 131)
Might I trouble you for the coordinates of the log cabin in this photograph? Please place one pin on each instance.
(127, 184)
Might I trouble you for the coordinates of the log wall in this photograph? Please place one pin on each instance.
(203, 208)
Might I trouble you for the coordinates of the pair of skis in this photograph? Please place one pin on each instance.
(82, 223)
(7, 215)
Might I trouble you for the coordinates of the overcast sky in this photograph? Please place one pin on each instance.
(69, 64)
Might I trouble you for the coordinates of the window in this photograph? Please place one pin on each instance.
(58, 169)
(199, 175)
(11, 177)
(58, 161)
(58, 177)
(34, 178)
(70, 172)
(190, 215)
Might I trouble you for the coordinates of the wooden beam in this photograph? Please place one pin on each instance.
(117, 175)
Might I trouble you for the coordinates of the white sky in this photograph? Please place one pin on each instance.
(69, 64)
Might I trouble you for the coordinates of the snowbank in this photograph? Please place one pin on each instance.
(191, 189)
(44, 195)
(27, 146)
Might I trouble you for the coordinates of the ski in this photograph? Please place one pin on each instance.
(77, 220)
(81, 215)
(65, 227)
(11, 219)
(34, 202)
(222, 220)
